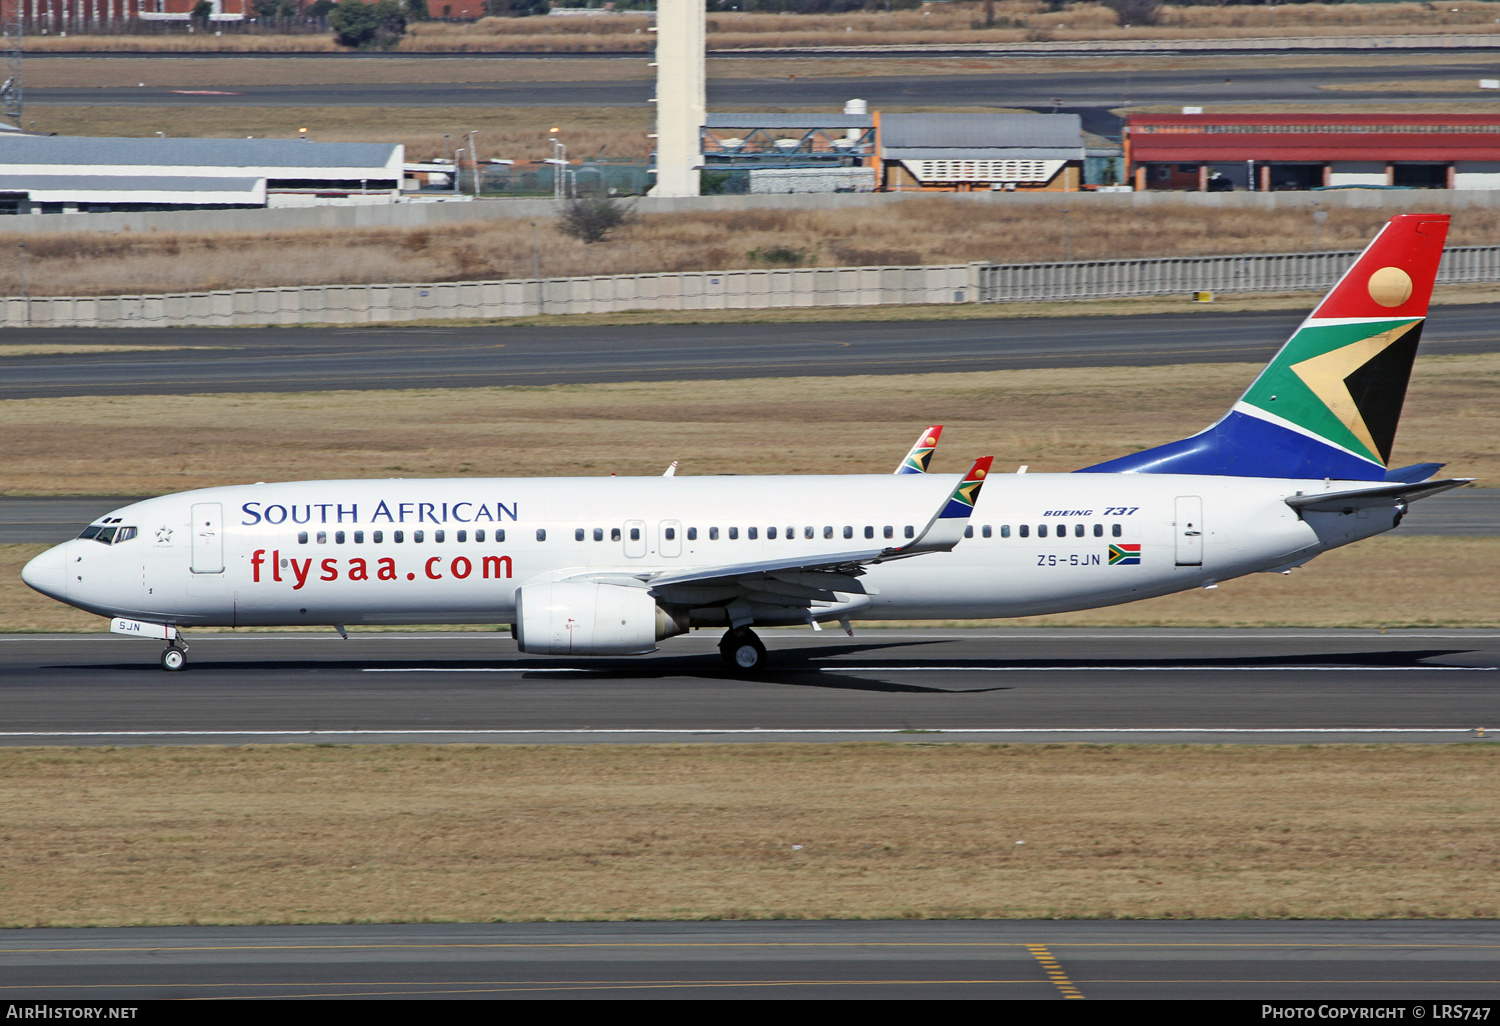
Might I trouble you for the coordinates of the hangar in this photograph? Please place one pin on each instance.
(1281, 152)
(63, 174)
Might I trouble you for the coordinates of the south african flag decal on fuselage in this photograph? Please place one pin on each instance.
(1124, 555)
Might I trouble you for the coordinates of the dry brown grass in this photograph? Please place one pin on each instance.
(1016, 21)
(292, 834)
(915, 231)
(515, 133)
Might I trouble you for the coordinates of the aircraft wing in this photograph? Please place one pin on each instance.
(836, 570)
(1366, 498)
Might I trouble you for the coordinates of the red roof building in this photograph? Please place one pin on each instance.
(1276, 152)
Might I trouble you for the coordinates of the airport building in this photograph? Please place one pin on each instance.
(861, 151)
(63, 174)
(1282, 152)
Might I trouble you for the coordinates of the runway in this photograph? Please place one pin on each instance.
(1253, 686)
(1397, 962)
(1218, 83)
(318, 359)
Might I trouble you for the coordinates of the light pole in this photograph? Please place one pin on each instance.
(536, 268)
(559, 164)
(474, 158)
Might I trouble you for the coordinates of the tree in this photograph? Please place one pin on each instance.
(591, 218)
(201, 11)
(320, 8)
(1135, 12)
(377, 26)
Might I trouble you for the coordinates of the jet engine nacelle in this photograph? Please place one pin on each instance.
(580, 618)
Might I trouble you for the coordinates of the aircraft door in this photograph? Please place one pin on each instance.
(208, 538)
(1188, 525)
(669, 538)
(635, 538)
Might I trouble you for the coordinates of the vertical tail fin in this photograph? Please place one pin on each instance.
(1328, 404)
(920, 456)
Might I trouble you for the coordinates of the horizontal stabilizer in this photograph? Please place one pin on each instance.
(1414, 473)
(1368, 498)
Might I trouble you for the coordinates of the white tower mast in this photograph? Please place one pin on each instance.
(680, 98)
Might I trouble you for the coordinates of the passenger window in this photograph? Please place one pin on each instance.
(750, 532)
(1005, 530)
(359, 537)
(463, 536)
(734, 534)
(968, 530)
(771, 532)
(692, 534)
(499, 534)
(671, 533)
(1115, 530)
(986, 531)
(869, 531)
(1041, 530)
(848, 531)
(1077, 530)
(322, 537)
(479, 535)
(614, 534)
(338, 537)
(438, 536)
(124, 534)
(890, 532)
(827, 532)
(807, 532)
(417, 537)
(90, 531)
(301, 536)
(578, 534)
(713, 534)
(791, 532)
(910, 531)
(1025, 530)
(541, 534)
(378, 537)
(635, 534)
(1098, 530)
(598, 534)
(398, 537)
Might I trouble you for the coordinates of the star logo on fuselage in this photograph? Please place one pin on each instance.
(163, 535)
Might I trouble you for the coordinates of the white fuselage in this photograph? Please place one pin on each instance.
(409, 552)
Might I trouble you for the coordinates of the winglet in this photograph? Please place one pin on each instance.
(946, 528)
(920, 456)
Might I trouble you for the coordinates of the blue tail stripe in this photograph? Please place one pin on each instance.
(1245, 446)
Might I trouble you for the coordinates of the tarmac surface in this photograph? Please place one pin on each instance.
(1398, 962)
(318, 359)
(1071, 89)
(1011, 684)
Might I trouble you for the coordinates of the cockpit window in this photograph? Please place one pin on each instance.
(90, 531)
(106, 535)
(124, 534)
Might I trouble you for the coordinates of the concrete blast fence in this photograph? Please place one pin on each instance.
(715, 290)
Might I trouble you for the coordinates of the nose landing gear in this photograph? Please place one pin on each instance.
(742, 650)
(174, 658)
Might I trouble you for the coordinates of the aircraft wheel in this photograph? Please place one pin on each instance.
(742, 650)
(173, 659)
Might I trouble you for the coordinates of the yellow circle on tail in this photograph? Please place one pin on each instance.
(1390, 286)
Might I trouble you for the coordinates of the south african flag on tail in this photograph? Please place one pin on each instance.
(961, 502)
(1124, 555)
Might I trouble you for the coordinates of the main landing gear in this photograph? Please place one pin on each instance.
(174, 658)
(742, 650)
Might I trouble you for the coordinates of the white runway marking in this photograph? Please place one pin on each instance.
(745, 731)
(983, 669)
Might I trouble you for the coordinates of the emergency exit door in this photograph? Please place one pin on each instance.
(208, 538)
(1188, 524)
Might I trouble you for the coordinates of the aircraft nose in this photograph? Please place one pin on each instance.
(48, 573)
